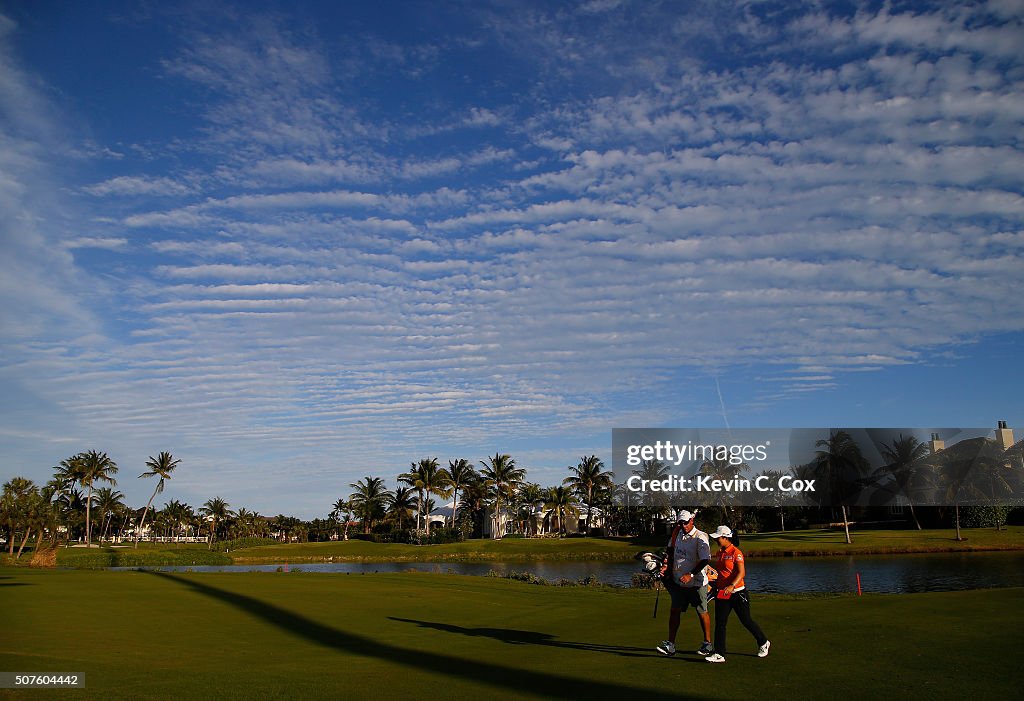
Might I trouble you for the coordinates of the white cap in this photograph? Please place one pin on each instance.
(722, 532)
(685, 515)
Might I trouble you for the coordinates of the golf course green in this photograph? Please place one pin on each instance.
(150, 635)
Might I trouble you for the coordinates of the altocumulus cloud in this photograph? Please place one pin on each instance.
(537, 226)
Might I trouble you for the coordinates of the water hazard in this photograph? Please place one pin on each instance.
(891, 574)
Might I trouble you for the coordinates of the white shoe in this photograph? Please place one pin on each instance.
(667, 648)
(714, 658)
(763, 650)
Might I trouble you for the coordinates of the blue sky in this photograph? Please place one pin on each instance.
(297, 244)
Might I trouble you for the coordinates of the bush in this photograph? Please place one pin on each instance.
(983, 516)
(372, 537)
(643, 580)
(442, 535)
(239, 543)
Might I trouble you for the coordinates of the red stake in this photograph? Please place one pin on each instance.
(858, 584)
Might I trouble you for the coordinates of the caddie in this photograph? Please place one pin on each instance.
(688, 554)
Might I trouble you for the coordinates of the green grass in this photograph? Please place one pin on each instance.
(146, 635)
(147, 555)
(832, 542)
(509, 549)
(823, 542)
(817, 542)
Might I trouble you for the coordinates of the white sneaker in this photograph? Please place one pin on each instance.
(763, 650)
(667, 648)
(714, 658)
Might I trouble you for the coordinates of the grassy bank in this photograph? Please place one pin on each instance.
(148, 554)
(262, 636)
(824, 542)
(792, 543)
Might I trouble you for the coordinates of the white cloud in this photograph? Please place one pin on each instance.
(125, 185)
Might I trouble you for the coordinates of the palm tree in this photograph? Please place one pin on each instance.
(474, 503)
(587, 476)
(401, 503)
(503, 476)
(162, 465)
(108, 501)
(460, 475)
(528, 496)
(177, 514)
(840, 455)
(974, 469)
(907, 463)
(215, 511)
(777, 497)
(368, 500)
(561, 501)
(723, 469)
(14, 506)
(341, 508)
(657, 503)
(34, 513)
(71, 504)
(94, 466)
(428, 478)
(244, 522)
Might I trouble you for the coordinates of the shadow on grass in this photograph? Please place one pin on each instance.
(527, 637)
(544, 684)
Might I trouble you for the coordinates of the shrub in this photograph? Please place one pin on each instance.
(239, 543)
(446, 535)
(983, 516)
(642, 580)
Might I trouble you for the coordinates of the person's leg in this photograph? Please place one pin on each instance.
(705, 625)
(741, 602)
(699, 596)
(679, 605)
(723, 607)
(673, 625)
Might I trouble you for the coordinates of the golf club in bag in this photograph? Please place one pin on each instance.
(654, 565)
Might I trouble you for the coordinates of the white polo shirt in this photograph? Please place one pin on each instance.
(690, 549)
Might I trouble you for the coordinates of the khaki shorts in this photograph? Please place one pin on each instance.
(684, 597)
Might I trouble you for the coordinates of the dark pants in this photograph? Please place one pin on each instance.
(740, 603)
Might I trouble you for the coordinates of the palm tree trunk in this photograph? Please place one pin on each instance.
(782, 517)
(426, 518)
(846, 525)
(138, 531)
(124, 525)
(590, 498)
(24, 540)
(956, 512)
(497, 514)
(913, 515)
(88, 518)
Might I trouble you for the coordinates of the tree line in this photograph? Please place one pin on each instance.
(80, 502)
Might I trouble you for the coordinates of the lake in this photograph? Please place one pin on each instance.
(891, 574)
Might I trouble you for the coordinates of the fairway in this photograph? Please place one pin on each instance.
(156, 635)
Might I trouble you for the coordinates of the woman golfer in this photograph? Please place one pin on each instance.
(731, 595)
